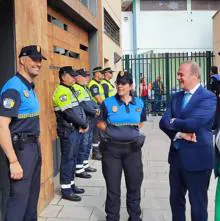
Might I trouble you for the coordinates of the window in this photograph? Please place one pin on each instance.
(66, 52)
(57, 22)
(91, 5)
(205, 5)
(163, 5)
(83, 47)
(111, 28)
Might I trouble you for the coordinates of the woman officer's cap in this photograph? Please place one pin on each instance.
(124, 77)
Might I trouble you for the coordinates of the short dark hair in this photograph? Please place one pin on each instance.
(214, 69)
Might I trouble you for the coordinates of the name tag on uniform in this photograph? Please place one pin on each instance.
(114, 109)
(26, 94)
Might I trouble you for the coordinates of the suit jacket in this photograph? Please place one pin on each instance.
(197, 117)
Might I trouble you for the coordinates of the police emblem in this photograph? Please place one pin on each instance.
(26, 94)
(38, 48)
(95, 90)
(8, 103)
(63, 98)
(121, 73)
(138, 109)
(114, 109)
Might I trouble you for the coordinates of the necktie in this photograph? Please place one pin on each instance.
(186, 99)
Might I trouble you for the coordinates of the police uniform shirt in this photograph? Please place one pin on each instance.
(122, 119)
(67, 108)
(84, 99)
(19, 102)
(94, 89)
(106, 87)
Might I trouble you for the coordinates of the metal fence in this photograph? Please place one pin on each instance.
(151, 65)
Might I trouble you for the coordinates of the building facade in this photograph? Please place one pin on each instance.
(216, 38)
(167, 26)
(111, 31)
(70, 33)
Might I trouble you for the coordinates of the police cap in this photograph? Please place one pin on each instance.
(82, 72)
(32, 51)
(124, 77)
(108, 69)
(67, 70)
(97, 69)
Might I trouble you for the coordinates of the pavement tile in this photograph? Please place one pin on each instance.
(73, 212)
(51, 211)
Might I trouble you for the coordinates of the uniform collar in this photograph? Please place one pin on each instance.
(30, 85)
(80, 84)
(109, 82)
(120, 101)
(65, 85)
(96, 80)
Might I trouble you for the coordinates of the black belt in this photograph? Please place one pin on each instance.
(24, 138)
(135, 143)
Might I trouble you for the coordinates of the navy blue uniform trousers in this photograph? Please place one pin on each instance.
(69, 152)
(24, 193)
(196, 183)
(113, 162)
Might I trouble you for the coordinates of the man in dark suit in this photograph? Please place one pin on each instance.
(188, 123)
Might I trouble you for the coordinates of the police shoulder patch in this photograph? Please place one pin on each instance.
(8, 103)
(95, 90)
(63, 98)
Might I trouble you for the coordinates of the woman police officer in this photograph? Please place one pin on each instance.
(121, 142)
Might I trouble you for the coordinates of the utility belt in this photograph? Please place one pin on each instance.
(64, 131)
(135, 144)
(19, 140)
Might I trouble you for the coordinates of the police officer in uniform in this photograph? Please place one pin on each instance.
(20, 129)
(98, 96)
(215, 88)
(71, 124)
(120, 145)
(91, 110)
(109, 88)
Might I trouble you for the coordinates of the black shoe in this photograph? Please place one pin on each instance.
(96, 156)
(78, 190)
(83, 175)
(71, 197)
(90, 169)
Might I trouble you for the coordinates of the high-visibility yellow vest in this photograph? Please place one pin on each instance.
(101, 90)
(81, 93)
(63, 98)
(111, 88)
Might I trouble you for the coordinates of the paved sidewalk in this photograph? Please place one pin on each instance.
(155, 188)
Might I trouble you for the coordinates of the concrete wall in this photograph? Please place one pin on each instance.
(164, 31)
(109, 47)
(127, 32)
(216, 38)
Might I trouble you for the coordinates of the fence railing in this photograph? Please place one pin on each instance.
(152, 65)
